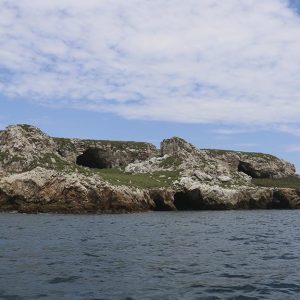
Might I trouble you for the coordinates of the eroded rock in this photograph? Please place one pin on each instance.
(39, 174)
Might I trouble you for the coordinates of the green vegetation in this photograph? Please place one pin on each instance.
(118, 144)
(63, 141)
(287, 182)
(117, 176)
(171, 161)
(114, 176)
(253, 154)
(68, 143)
(258, 154)
(219, 151)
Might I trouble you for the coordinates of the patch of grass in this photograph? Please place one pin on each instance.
(171, 161)
(253, 154)
(119, 144)
(117, 176)
(287, 182)
(259, 155)
(219, 151)
(64, 142)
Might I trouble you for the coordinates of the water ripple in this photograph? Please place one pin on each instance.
(188, 255)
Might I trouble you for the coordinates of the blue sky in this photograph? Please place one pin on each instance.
(221, 74)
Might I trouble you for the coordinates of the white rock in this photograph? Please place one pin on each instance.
(224, 178)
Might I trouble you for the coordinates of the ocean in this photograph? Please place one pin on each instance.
(252, 254)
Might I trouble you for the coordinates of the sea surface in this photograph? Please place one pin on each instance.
(156, 255)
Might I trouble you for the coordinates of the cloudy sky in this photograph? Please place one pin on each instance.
(222, 74)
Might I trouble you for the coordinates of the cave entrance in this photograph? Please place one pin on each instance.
(251, 171)
(247, 169)
(191, 200)
(93, 158)
(279, 201)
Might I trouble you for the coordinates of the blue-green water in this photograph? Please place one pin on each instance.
(163, 255)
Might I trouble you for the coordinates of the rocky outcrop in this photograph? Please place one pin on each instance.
(256, 165)
(104, 153)
(39, 173)
(207, 198)
(23, 147)
(176, 146)
(42, 190)
(265, 166)
(286, 198)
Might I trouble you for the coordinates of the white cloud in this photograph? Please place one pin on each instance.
(233, 131)
(293, 148)
(289, 129)
(233, 61)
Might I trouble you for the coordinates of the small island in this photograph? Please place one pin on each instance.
(39, 173)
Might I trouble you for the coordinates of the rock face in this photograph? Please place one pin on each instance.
(105, 154)
(39, 173)
(42, 190)
(22, 147)
(176, 146)
(265, 166)
(256, 165)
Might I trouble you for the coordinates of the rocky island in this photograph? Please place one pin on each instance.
(39, 173)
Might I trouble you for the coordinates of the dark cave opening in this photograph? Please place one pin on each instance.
(93, 158)
(251, 171)
(191, 200)
(279, 201)
(247, 169)
(160, 204)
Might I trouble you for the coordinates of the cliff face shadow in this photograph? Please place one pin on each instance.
(279, 201)
(93, 158)
(247, 169)
(190, 200)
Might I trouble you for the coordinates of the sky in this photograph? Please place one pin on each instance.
(221, 74)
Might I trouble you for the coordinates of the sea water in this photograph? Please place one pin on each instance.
(156, 255)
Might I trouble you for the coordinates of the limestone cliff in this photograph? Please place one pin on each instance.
(39, 173)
